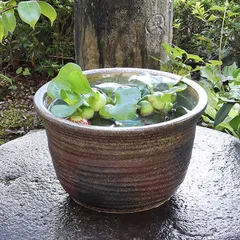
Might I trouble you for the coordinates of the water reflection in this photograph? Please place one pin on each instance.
(77, 221)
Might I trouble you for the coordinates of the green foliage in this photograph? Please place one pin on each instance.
(28, 11)
(223, 89)
(210, 30)
(5, 78)
(48, 11)
(75, 98)
(48, 47)
(182, 63)
(23, 71)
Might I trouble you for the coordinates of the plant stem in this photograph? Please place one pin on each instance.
(7, 9)
(222, 29)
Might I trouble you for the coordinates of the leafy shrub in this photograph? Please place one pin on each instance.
(199, 32)
(223, 89)
(184, 64)
(46, 48)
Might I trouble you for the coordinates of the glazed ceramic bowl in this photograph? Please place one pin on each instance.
(126, 169)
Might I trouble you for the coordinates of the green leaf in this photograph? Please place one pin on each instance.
(126, 103)
(153, 81)
(184, 72)
(167, 47)
(156, 59)
(19, 70)
(222, 113)
(48, 11)
(211, 111)
(236, 73)
(79, 83)
(227, 128)
(212, 18)
(67, 69)
(231, 14)
(69, 97)
(237, 25)
(212, 97)
(179, 88)
(212, 77)
(55, 87)
(229, 70)
(149, 80)
(195, 57)
(215, 62)
(26, 72)
(108, 87)
(63, 111)
(217, 8)
(9, 21)
(1, 31)
(206, 119)
(235, 124)
(180, 51)
(232, 96)
(60, 81)
(170, 82)
(12, 3)
(29, 12)
(5, 78)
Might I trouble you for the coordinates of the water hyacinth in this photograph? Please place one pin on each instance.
(147, 99)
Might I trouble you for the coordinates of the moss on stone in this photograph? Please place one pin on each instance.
(15, 122)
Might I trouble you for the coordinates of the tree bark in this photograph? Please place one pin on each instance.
(121, 33)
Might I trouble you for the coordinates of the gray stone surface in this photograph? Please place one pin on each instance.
(34, 206)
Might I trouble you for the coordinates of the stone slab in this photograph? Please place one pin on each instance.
(33, 205)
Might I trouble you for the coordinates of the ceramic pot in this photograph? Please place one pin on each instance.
(126, 169)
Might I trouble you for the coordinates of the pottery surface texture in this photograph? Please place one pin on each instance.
(122, 170)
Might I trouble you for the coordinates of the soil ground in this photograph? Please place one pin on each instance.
(17, 114)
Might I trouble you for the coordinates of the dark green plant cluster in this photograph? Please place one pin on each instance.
(207, 49)
(223, 89)
(198, 28)
(222, 85)
(44, 49)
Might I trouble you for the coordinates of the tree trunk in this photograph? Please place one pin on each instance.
(121, 33)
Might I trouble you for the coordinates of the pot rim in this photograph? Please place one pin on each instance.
(195, 112)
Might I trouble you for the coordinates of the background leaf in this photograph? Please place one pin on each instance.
(26, 72)
(217, 8)
(5, 78)
(29, 12)
(19, 70)
(1, 31)
(222, 113)
(229, 70)
(9, 21)
(48, 11)
(179, 88)
(235, 124)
